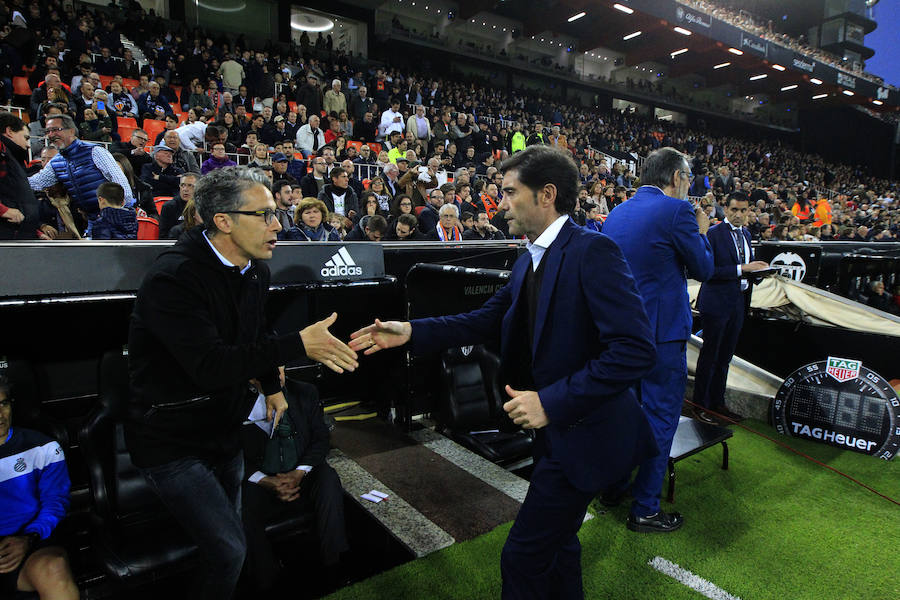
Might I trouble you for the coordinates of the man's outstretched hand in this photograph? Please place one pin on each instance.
(323, 347)
(380, 335)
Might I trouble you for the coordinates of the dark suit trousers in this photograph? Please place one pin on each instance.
(720, 338)
(321, 489)
(662, 394)
(542, 555)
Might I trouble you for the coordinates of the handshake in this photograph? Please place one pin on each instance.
(321, 346)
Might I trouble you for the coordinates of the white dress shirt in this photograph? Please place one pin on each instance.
(540, 245)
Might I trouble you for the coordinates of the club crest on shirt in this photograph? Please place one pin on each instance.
(20, 465)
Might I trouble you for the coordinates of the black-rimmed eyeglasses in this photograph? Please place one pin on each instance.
(268, 214)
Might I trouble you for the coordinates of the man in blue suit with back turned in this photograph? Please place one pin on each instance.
(722, 302)
(661, 235)
(574, 341)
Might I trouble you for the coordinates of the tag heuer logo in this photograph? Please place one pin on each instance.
(341, 265)
(843, 369)
(20, 465)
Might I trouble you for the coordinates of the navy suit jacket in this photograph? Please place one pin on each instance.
(659, 237)
(722, 292)
(592, 344)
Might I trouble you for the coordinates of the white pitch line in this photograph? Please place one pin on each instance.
(695, 582)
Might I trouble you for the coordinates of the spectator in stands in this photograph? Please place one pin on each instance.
(260, 155)
(461, 133)
(232, 74)
(160, 174)
(311, 223)
(281, 168)
(537, 136)
(335, 101)
(96, 127)
(448, 227)
(121, 100)
(192, 135)
(199, 98)
(430, 216)
(878, 299)
(338, 196)
(51, 90)
(391, 119)
(274, 131)
(482, 229)
(35, 498)
(288, 473)
(19, 209)
(724, 182)
(209, 337)
(315, 181)
(186, 161)
(88, 164)
(370, 229)
(218, 160)
(116, 221)
(172, 211)
(310, 138)
(152, 104)
(419, 126)
(365, 130)
(284, 206)
(405, 229)
(516, 139)
(360, 104)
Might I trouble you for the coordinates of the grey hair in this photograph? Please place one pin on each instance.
(661, 164)
(67, 121)
(222, 190)
(448, 208)
(335, 81)
(391, 167)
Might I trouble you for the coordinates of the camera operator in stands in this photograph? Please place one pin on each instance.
(199, 320)
(34, 494)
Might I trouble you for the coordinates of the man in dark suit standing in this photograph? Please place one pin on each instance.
(722, 303)
(574, 341)
(661, 235)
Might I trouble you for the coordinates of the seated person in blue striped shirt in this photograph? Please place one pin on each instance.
(34, 494)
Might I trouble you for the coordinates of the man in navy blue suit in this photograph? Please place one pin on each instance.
(661, 235)
(722, 303)
(574, 341)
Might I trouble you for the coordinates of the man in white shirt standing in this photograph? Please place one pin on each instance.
(310, 138)
(391, 119)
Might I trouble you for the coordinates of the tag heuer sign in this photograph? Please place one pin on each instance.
(843, 369)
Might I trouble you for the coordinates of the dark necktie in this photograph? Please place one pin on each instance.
(739, 243)
(315, 133)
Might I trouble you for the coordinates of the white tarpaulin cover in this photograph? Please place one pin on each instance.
(814, 305)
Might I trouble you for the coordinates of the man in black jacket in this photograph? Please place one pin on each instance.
(172, 211)
(19, 209)
(161, 174)
(287, 474)
(197, 338)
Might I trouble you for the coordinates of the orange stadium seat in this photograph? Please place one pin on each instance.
(148, 229)
(105, 80)
(158, 201)
(130, 83)
(21, 87)
(153, 128)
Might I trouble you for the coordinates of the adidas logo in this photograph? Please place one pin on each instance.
(341, 265)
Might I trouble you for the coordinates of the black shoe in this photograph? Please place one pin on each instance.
(705, 417)
(613, 497)
(661, 522)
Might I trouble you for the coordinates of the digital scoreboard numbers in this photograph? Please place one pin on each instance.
(840, 403)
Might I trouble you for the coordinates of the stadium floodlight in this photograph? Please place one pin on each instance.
(816, 81)
(576, 17)
(820, 96)
(632, 35)
(778, 67)
(677, 52)
(847, 92)
(736, 51)
(789, 87)
(877, 102)
(682, 31)
(758, 77)
(721, 65)
(623, 9)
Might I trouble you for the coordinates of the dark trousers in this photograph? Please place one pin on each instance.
(542, 555)
(661, 394)
(720, 338)
(205, 498)
(320, 489)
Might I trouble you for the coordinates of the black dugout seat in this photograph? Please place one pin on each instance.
(28, 396)
(134, 537)
(471, 406)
